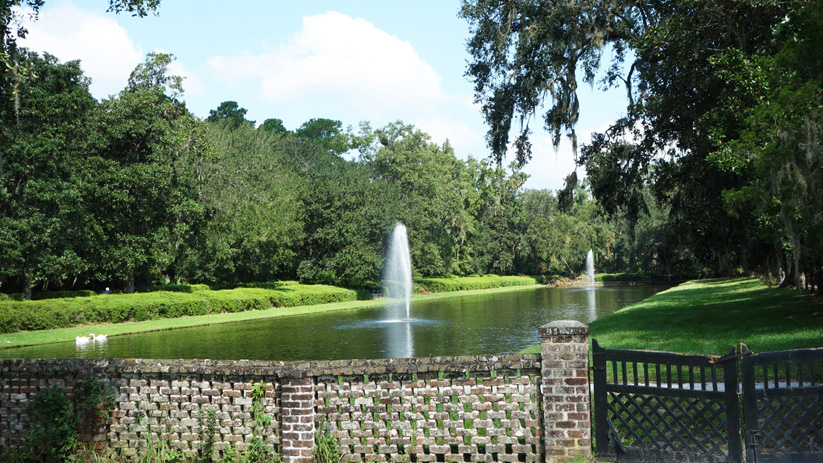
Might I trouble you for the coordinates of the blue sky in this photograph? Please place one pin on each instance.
(376, 61)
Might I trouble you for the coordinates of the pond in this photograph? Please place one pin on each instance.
(492, 323)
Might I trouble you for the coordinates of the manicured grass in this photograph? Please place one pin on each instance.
(28, 338)
(711, 316)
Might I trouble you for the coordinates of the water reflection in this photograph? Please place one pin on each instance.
(591, 302)
(489, 323)
(399, 339)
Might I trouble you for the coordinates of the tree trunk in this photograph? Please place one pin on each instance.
(27, 288)
(129, 289)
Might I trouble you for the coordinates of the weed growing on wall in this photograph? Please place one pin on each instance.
(325, 446)
(94, 402)
(205, 435)
(260, 421)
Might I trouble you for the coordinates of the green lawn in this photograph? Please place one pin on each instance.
(711, 316)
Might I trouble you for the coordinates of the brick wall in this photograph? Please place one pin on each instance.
(518, 408)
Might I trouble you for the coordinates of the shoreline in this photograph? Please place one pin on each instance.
(33, 338)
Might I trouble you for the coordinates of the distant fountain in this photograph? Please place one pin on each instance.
(397, 273)
(590, 268)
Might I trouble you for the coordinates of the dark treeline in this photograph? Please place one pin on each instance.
(134, 190)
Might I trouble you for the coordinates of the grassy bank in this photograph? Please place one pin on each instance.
(710, 316)
(27, 338)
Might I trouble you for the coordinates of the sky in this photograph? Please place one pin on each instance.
(376, 61)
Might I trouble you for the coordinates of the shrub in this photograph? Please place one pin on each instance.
(183, 288)
(63, 294)
(11, 297)
(117, 308)
(438, 285)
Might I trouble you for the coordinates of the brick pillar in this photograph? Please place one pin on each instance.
(297, 416)
(565, 388)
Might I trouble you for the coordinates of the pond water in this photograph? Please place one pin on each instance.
(491, 323)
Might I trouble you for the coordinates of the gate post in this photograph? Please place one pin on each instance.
(297, 419)
(565, 390)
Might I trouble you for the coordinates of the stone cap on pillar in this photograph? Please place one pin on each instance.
(563, 328)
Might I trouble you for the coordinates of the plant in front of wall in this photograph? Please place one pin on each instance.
(53, 434)
(205, 433)
(326, 447)
(158, 449)
(94, 401)
(257, 451)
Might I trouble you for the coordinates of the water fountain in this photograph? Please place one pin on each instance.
(590, 268)
(397, 273)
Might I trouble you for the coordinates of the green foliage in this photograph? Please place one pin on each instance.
(326, 447)
(714, 163)
(114, 308)
(183, 288)
(230, 114)
(94, 401)
(56, 422)
(40, 159)
(138, 179)
(53, 435)
(12, 297)
(159, 196)
(437, 285)
(205, 434)
(63, 294)
(257, 451)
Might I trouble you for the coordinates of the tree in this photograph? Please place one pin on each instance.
(436, 190)
(230, 114)
(143, 201)
(780, 147)
(274, 126)
(669, 57)
(251, 201)
(40, 160)
(326, 132)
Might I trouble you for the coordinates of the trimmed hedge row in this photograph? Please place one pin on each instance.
(439, 285)
(116, 308)
(619, 277)
(63, 294)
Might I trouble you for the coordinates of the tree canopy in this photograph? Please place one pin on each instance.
(702, 78)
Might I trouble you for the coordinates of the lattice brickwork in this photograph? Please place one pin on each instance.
(486, 416)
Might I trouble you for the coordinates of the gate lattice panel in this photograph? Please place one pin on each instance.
(661, 406)
(783, 406)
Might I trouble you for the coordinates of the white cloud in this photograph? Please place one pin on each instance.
(105, 51)
(548, 168)
(465, 140)
(339, 61)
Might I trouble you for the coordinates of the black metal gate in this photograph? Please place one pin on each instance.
(783, 406)
(663, 406)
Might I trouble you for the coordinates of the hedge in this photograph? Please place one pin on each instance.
(438, 285)
(644, 277)
(116, 308)
(63, 294)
